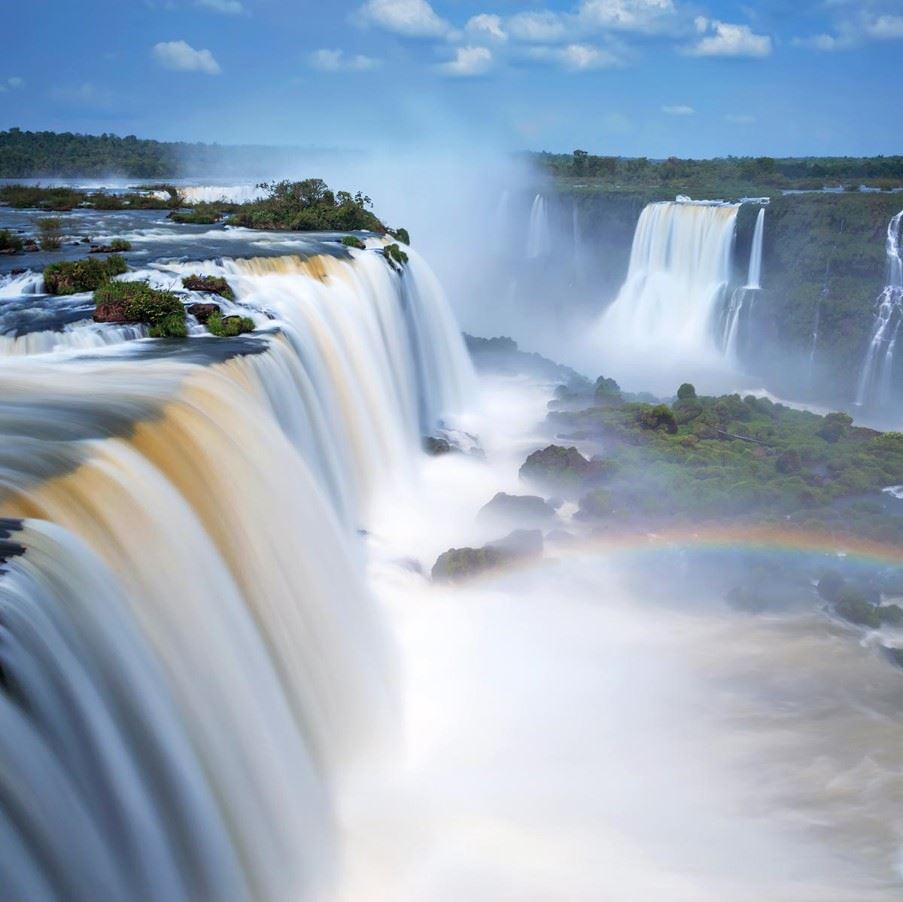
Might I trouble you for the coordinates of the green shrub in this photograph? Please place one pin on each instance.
(395, 255)
(229, 326)
(686, 392)
(657, 417)
(139, 303)
(401, 234)
(120, 244)
(50, 232)
(835, 427)
(75, 276)
(10, 242)
(210, 284)
(354, 241)
(200, 214)
(306, 206)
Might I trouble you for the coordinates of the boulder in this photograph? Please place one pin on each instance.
(458, 564)
(435, 445)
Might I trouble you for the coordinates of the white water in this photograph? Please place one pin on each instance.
(196, 656)
(877, 368)
(539, 234)
(755, 255)
(680, 268)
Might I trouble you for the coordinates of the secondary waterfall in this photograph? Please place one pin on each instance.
(734, 317)
(539, 235)
(877, 369)
(188, 658)
(755, 255)
(680, 269)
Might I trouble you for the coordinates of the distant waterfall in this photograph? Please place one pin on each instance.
(741, 302)
(877, 369)
(680, 268)
(539, 235)
(188, 658)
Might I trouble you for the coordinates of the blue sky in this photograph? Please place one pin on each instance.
(635, 77)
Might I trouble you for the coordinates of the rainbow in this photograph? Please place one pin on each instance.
(739, 537)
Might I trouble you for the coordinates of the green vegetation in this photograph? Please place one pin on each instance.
(723, 177)
(308, 206)
(120, 245)
(50, 233)
(209, 284)
(229, 326)
(355, 242)
(137, 302)
(395, 255)
(10, 243)
(82, 275)
(62, 200)
(400, 235)
(725, 457)
(203, 214)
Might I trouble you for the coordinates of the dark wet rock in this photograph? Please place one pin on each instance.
(203, 312)
(458, 564)
(894, 655)
(566, 470)
(209, 285)
(436, 445)
(526, 510)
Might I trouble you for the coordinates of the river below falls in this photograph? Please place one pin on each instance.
(563, 737)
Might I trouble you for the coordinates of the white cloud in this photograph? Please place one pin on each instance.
(538, 27)
(486, 25)
(410, 18)
(576, 57)
(826, 42)
(182, 57)
(468, 62)
(884, 27)
(336, 61)
(678, 109)
(725, 39)
(626, 15)
(15, 82)
(227, 7)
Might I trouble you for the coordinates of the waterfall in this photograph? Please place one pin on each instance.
(755, 255)
(680, 267)
(539, 232)
(877, 368)
(577, 233)
(189, 661)
(740, 306)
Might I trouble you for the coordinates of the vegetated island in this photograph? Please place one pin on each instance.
(309, 205)
(692, 462)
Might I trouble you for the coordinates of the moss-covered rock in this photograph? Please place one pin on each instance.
(229, 326)
(355, 242)
(395, 255)
(458, 564)
(209, 285)
(137, 302)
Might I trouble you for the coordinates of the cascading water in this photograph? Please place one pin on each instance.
(755, 254)
(876, 374)
(539, 233)
(680, 268)
(188, 658)
(739, 297)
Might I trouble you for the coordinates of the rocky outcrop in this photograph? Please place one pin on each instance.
(203, 312)
(460, 564)
(522, 510)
